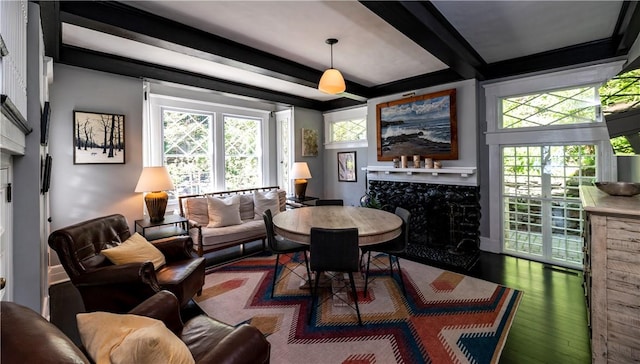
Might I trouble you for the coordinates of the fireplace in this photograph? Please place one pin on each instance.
(445, 220)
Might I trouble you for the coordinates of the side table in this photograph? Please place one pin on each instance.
(294, 202)
(172, 225)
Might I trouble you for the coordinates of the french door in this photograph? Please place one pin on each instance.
(284, 148)
(541, 207)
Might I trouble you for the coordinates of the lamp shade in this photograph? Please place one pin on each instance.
(154, 179)
(300, 170)
(332, 82)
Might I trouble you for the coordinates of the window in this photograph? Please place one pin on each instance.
(188, 151)
(206, 147)
(560, 107)
(242, 152)
(346, 129)
(621, 104)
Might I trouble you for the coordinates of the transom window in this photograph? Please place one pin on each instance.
(621, 93)
(560, 107)
(346, 129)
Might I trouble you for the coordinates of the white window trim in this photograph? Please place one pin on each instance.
(152, 134)
(342, 115)
(595, 133)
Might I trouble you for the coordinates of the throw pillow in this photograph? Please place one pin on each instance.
(136, 249)
(125, 338)
(196, 210)
(246, 206)
(224, 212)
(266, 200)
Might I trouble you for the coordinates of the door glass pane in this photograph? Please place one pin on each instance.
(541, 202)
(283, 119)
(188, 151)
(242, 150)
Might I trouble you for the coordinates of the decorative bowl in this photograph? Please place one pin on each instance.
(619, 188)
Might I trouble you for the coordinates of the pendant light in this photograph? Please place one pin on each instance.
(332, 81)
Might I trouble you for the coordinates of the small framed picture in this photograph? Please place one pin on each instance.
(347, 167)
(98, 138)
(309, 143)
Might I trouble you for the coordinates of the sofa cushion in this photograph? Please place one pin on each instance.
(125, 338)
(196, 209)
(223, 211)
(248, 229)
(282, 198)
(263, 201)
(136, 249)
(246, 206)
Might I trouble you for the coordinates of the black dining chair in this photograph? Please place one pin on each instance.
(392, 248)
(279, 245)
(334, 251)
(330, 202)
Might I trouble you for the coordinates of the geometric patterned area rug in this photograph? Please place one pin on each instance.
(445, 318)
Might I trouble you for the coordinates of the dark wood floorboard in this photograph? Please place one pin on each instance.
(550, 325)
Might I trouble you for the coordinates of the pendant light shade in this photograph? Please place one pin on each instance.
(332, 81)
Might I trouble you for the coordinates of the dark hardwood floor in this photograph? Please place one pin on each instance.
(550, 325)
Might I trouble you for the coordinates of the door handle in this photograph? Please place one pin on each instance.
(3, 282)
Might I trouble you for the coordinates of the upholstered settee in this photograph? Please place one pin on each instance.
(107, 286)
(220, 220)
(28, 338)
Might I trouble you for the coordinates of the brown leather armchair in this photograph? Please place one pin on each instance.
(209, 340)
(28, 338)
(118, 288)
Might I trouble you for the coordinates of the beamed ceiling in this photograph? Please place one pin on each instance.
(276, 51)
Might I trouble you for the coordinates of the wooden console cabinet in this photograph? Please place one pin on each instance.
(612, 275)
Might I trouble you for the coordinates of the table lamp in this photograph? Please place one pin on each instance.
(155, 181)
(300, 173)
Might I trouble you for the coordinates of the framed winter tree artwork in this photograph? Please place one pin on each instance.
(98, 138)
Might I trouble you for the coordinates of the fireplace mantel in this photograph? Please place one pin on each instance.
(465, 176)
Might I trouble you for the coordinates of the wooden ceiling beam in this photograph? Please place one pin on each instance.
(124, 21)
(127, 67)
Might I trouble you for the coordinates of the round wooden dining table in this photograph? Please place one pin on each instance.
(374, 226)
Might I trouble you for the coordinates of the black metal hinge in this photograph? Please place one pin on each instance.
(9, 192)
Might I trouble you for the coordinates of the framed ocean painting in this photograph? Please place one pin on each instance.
(422, 125)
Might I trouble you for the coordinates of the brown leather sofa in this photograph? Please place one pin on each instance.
(28, 338)
(118, 288)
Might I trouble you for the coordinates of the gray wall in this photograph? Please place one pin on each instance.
(310, 119)
(466, 119)
(84, 191)
(29, 252)
(350, 192)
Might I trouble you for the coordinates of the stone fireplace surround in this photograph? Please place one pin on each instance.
(445, 220)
